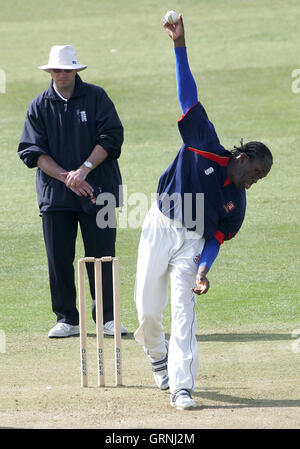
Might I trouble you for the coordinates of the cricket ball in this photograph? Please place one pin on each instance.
(171, 17)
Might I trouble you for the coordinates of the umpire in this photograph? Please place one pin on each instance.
(73, 135)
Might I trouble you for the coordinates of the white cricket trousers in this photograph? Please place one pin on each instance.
(167, 251)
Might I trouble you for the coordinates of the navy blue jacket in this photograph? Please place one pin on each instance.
(68, 132)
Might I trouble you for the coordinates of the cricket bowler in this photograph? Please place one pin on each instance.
(201, 202)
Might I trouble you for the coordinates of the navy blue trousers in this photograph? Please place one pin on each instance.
(60, 233)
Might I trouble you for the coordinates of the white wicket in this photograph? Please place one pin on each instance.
(99, 318)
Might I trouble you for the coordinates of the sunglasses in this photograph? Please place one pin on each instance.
(62, 70)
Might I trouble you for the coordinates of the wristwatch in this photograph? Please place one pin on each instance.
(88, 164)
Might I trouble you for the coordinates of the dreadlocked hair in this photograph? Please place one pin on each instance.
(254, 150)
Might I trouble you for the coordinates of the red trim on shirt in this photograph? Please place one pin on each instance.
(221, 160)
(188, 111)
(219, 236)
(227, 182)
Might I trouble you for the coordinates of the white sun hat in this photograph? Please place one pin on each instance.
(63, 57)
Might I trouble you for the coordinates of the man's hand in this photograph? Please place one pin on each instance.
(76, 177)
(176, 32)
(202, 284)
(75, 181)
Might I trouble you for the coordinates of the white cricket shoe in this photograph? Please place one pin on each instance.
(161, 379)
(160, 371)
(61, 330)
(182, 400)
(109, 328)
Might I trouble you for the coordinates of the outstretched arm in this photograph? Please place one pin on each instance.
(186, 86)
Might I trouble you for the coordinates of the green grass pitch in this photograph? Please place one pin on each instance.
(242, 54)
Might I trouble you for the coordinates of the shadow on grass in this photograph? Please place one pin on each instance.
(236, 337)
(238, 402)
(232, 401)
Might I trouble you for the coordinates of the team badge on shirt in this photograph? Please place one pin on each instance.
(209, 171)
(229, 206)
(197, 258)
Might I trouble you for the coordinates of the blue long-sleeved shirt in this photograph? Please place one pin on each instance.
(188, 96)
(195, 189)
(186, 86)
